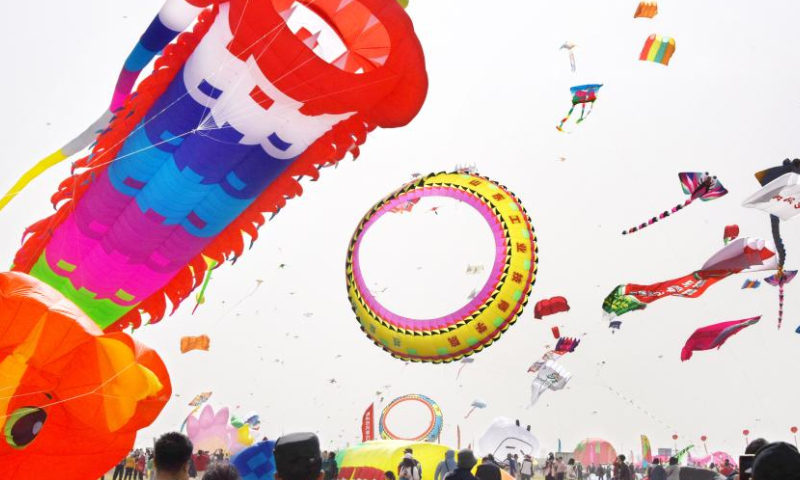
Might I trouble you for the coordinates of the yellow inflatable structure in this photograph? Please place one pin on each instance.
(483, 320)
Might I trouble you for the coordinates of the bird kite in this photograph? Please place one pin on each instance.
(581, 95)
(714, 336)
(697, 185)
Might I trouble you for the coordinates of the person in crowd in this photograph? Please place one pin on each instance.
(445, 466)
(389, 475)
(526, 468)
(561, 469)
(201, 462)
(329, 467)
(673, 469)
(298, 457)
(572, 471)
(756, 445)
(490, 459)
(141, 465)
(601, 472)
(408, 469)
(549, 468)
(151, 466)
(516, 462)
(192, 468)
(727, 469)
(488, 471)
(119, 469)
(777, 461)
(222, 472)
(130, 466)
(173, 452)
(410, 453)
(656, 471)
(512, 465)
(579, 470)
(466, 461)
(621, 469)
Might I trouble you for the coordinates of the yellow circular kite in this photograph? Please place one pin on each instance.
(498, 304)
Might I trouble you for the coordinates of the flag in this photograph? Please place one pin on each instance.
(368, 425)
(647, 453)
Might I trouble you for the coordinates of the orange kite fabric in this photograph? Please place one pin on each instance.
(201, 342)
(646, 9)
(68, 392)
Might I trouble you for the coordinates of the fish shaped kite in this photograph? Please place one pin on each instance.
(714, 336)
(743, 255)
(780, 197)
(697, 185)
(581, 95)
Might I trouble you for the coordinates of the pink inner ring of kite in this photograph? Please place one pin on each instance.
(468, 309)
(397, 402)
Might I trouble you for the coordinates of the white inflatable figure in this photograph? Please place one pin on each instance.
(506, 436)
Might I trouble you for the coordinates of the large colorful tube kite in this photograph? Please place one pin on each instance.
(67, 390)
(658, 49)
(431, 432)
(234, 113)
(498, 304)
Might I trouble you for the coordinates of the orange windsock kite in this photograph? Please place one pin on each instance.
(646, 9)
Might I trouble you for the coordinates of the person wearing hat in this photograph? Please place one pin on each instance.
(526, 468)
(777, 461)
(409, 468)
(466, 461)
(298, 457)
(409, 453)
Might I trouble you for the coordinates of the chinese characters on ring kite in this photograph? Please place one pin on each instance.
(495, 307)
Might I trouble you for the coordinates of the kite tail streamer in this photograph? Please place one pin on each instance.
(459, 370)
(469, 413)
(776, 236)
(662, 216)
(572, 61)
(780, 303)
(560, 126)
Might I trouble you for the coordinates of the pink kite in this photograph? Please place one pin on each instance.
(714, 336)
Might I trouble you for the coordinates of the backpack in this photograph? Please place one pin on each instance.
(410, 473)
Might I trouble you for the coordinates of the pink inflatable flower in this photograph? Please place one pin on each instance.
(212, 431)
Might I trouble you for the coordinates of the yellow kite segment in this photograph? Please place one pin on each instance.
(27, 177)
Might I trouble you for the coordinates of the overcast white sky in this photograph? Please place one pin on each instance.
(727, 104)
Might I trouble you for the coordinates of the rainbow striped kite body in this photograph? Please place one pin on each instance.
(658, 49)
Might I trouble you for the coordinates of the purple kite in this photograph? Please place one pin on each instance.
(714, 336)
(697, 185)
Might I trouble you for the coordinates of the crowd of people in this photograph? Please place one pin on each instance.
(298, 457)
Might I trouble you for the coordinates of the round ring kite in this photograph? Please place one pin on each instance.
(430, 434)
(498, 304)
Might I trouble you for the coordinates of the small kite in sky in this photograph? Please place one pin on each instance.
(581, 95)
(200, 342)
(697, 185)
(646, 9)
(714, 336)
(477, 403)
(731, 233)
(751, 284)
(658, 49)
(569, 47)
(550, 306)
